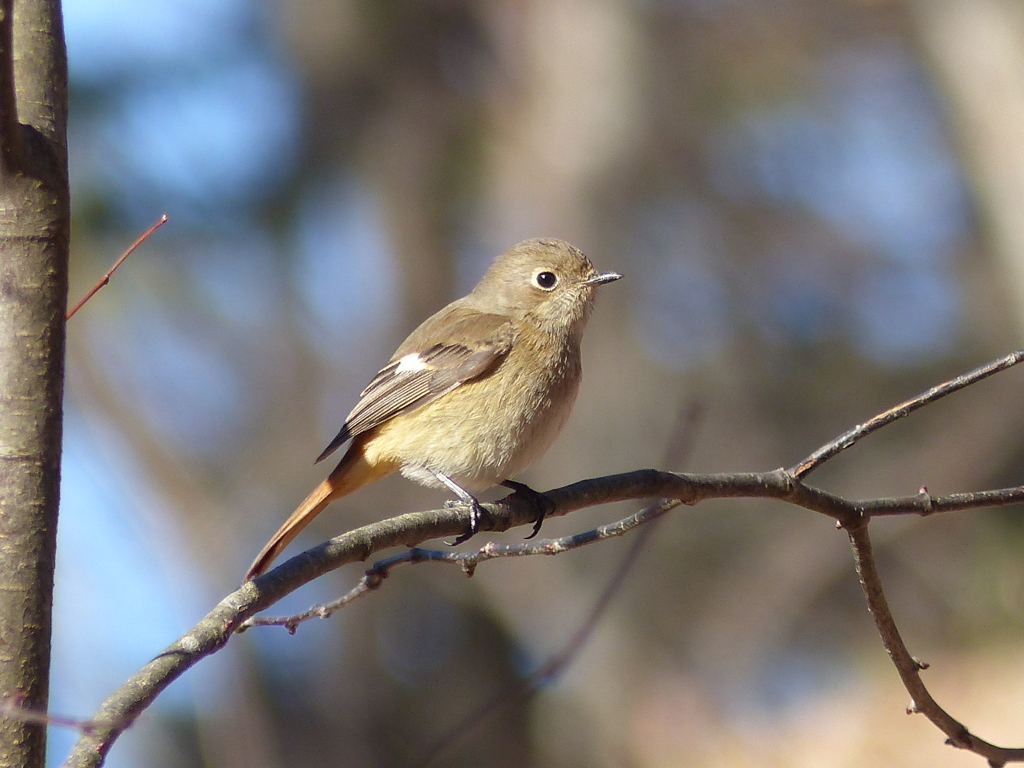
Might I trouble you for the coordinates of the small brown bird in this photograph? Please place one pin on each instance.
(475, 394)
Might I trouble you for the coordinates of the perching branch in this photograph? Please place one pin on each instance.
(467, 561)
(234, 611)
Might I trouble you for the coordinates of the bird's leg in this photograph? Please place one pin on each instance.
(541, 503)
(476, 511)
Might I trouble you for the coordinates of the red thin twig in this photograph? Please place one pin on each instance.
(106, 278)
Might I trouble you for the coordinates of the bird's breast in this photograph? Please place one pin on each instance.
(488, 429)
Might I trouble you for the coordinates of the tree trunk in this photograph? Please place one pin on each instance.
(34, 237)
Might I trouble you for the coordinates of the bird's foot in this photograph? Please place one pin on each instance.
(476, 510)
(476, 514)
(542, 503)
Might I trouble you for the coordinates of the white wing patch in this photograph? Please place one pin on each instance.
(411, 363)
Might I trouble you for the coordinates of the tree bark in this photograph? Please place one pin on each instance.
(34, 240)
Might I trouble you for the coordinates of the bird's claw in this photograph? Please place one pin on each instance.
(476, 513)
(540, 501)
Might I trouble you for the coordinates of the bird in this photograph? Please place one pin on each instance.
(478, 392)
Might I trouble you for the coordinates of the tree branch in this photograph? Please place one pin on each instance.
(234, 611)
(850, 437)
(467, 561)
(216, 628)
(908, 667)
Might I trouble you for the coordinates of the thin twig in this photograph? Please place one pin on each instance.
(851, 436)
(908, 667)
(371, 580)
(467, 561)
(106, 278)
(926, 504)
(13, 709)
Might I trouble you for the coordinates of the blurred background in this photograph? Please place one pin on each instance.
(817, 207)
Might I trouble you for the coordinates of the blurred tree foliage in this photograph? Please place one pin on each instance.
(814, 223)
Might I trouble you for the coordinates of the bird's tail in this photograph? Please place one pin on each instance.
(352, 473)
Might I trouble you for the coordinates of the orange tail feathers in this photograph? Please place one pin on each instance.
(351, 474)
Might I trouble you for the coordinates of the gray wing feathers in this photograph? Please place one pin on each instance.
(444, 367)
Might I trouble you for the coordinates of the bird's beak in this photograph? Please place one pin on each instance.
(601, 279)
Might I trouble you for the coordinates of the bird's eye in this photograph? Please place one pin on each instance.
(545, 280)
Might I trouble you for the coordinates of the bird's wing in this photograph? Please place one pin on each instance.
(423, 369)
